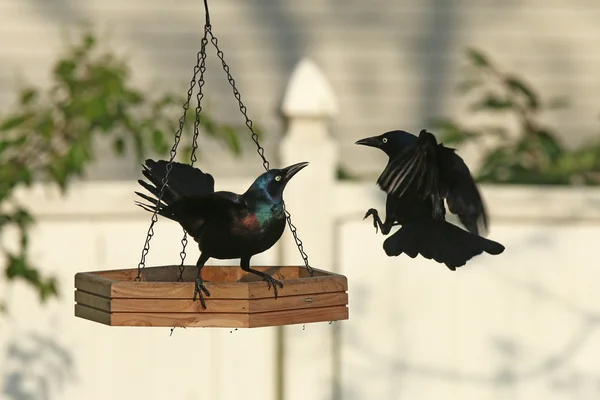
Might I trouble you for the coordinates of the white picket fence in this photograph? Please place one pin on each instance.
(523, 325)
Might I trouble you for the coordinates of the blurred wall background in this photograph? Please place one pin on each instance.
(393, 64)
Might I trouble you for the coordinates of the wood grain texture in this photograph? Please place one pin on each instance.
(92, 314)
(93, 283)
(216, 273)
(94, 301)
(182, 320)
(292, 317)
(214, 306)
(231, 320)
(226, 290)
(238, 299)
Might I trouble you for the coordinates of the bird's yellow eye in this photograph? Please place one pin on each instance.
(384, 140)
(278, 178)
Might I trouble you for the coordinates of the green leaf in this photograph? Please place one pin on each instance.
(89, 41)
(22, 218)
(45, 126)
(65, 70)
(16, 267)
(549, 144)
(158, 141)
(27, 96)
(232, 140)
(518, 86)
(477, 58)
(492, 102)
(5, 144)
(5, 219)
(59, 173)
(95, 110)
(133, 97)
(210, 127)
(25, 176)
(14, 122)
(48, 288)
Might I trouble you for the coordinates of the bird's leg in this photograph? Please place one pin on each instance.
(199, 282)
(384, 226)
(245, 265)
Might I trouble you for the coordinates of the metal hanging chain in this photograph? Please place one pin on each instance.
(259, 149)
(201, 58)
(202, 61)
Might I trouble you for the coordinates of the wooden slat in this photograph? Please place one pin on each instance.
(176, 290)
(299, 302)
(225, 320)
(93, 283)
(293, 287)
(212, 306)
(253, 290)
(92, 300)
(92, 314)
(305, 316)
(216, 320)
(215, 273)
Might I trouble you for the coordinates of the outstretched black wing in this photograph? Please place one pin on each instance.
(461, 192)
(414, 172)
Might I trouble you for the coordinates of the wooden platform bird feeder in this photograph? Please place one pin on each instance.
(238, 299)
(164, 296)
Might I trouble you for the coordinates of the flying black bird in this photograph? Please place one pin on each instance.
(224, 224)
(419, 176)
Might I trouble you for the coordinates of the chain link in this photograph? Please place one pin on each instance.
(259, 149)
(198, 68)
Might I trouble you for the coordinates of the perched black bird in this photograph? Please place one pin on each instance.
(419, 176)
(224, 224)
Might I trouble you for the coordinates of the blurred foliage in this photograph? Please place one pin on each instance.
(530, 154)
(49, 135)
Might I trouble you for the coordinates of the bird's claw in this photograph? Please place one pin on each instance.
(373, 212)
(370, 212)
(274, 283)
(200, 288)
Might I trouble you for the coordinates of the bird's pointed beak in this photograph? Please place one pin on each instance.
(370, 141)
(289, 172)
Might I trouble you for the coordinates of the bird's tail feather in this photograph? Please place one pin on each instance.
(183, 181)
(439, 240)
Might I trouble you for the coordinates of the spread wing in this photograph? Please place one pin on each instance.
(461, 192)
(409, 170)
(414, 172)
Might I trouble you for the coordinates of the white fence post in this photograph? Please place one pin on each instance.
(308, 106)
